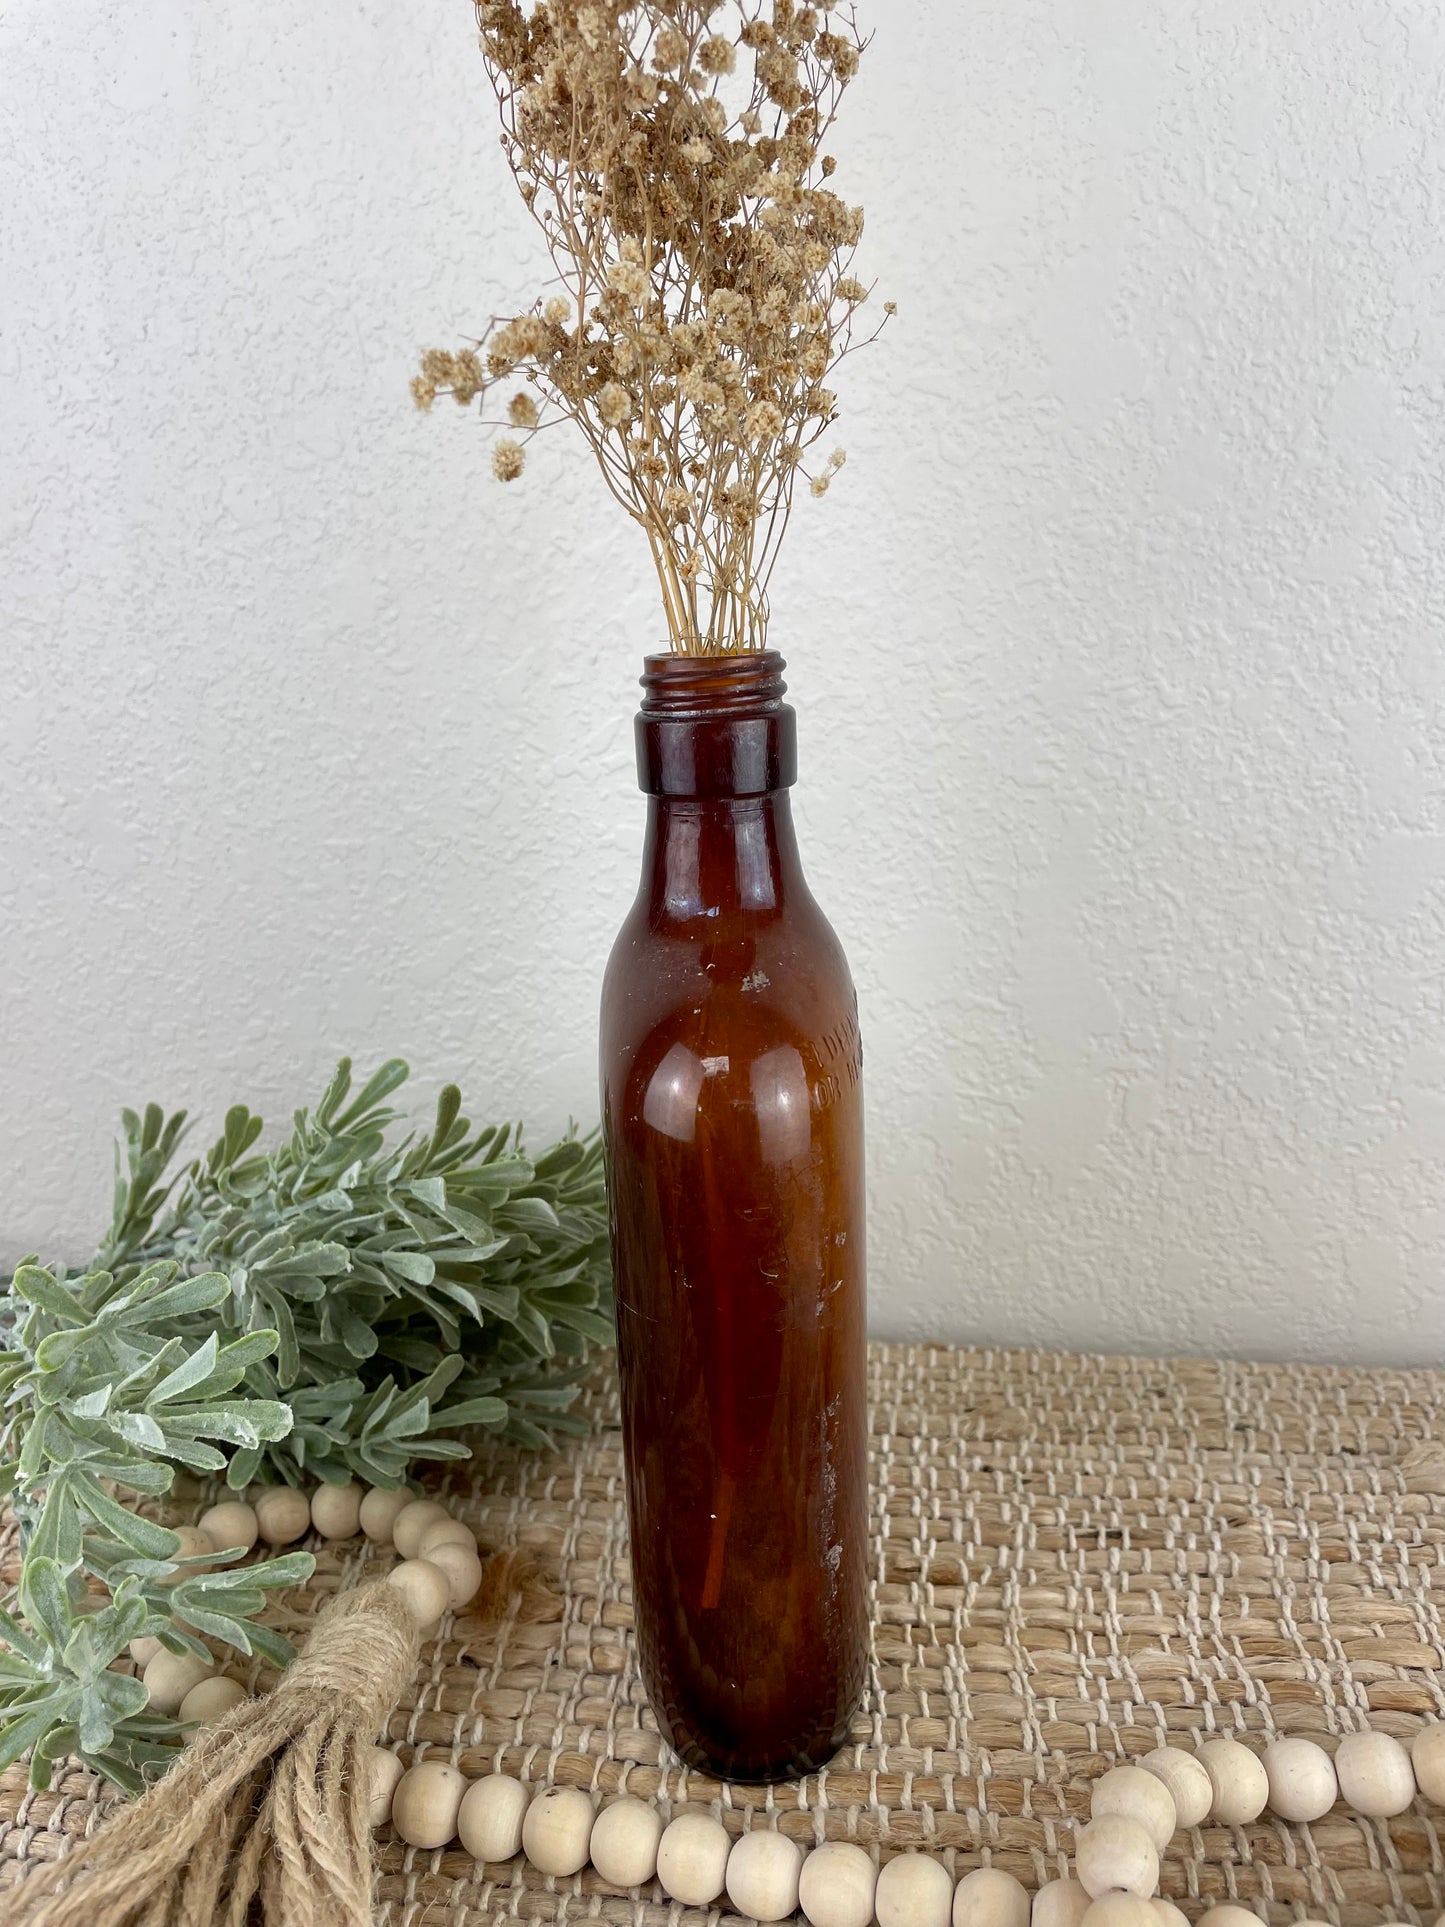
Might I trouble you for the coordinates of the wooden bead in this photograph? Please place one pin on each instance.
(1302, 1783)
(463, 1570)
(557, 1828)
(377, 1512)
(1241, 1786)
(409, 1525)
(1060, 1903)
(1375, 1775)
(1134, 1794)
(914, 1890)
(692, 1858)
(1115, 1852)
(624, 1842)
(382, 1769)
(231, 1523)
(210, 1700)
(1121, 1909)
(1427, 1757)
(445, 1532)
(490, 1822)
(1169, 1915)
(170, 1676)
(426, 1802)
(336, 1510)
(1228, 1916)
(837, 1884)
(989, 1897)
(424, 1588)
(144, 1650)
(1190, 1786)
(283, 1515)
(194, 1545)
(762, 1874)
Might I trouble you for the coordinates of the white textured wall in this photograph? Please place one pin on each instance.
(1117, 649)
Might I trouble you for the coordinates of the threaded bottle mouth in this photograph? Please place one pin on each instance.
(748, 684)
(715, 726)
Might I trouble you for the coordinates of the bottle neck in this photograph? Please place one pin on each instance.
(715, 727)
(716, 752)
(713, 858)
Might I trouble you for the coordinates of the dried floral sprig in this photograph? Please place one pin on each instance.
(672, 152)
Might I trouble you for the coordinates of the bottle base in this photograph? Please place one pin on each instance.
(754, 1771)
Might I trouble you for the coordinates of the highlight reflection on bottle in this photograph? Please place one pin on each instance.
(732, 1108)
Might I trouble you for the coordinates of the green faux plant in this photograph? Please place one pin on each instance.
(333, 1308)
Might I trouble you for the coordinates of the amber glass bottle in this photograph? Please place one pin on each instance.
(733, 1114)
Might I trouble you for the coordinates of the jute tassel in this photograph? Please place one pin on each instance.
(265, 1814)
(267, 1805)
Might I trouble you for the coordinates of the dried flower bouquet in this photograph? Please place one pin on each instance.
(672, 152)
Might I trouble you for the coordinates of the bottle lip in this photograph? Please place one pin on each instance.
(743, 684)
(715, 726)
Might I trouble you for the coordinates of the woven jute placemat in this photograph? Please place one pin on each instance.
(1075, 1560)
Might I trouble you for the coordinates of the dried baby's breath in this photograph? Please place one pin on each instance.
(671, 151)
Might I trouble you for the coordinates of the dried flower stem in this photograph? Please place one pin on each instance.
(677, 173)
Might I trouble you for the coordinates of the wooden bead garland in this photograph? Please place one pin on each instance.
(185, 1686)
(1135, 1807)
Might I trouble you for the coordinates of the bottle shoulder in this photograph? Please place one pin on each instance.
(766, 1020)
(786, 971)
